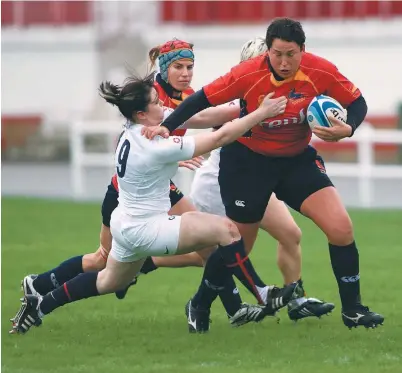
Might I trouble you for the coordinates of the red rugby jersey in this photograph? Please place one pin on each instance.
(288, 134)
(170, 103)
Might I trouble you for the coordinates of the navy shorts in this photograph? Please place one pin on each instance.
(247, 180)
(110, 201)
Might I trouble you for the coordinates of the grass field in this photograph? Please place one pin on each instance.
(147, 332)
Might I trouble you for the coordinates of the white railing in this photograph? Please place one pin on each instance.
(365, 169)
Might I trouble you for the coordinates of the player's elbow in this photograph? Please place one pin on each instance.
(357, 112)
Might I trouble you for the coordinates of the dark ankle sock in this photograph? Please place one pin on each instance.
(240, 265)
(148, 266)
(299, 292)
(213, 281)
(345, 264)
(81, 287)
(230, 297)
(56, 277)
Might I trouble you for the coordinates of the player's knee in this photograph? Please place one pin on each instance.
(107, 283)
(95, 261)
(340, 232)
(290, 235)
(230, 233)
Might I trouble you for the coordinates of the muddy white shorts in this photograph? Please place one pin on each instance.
(137, 238)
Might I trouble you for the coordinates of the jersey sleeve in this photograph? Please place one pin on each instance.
(173, 149)
(340, 88)
(230, 86)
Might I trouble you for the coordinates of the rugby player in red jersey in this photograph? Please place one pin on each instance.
(275, 156)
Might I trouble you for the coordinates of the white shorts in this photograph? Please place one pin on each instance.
(135, 238)
(205, 191)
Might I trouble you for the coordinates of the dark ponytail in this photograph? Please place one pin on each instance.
(133, 96)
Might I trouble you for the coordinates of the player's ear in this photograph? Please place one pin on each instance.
(140, 114)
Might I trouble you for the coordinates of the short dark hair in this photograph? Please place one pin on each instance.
(133, 96)
(285, 29)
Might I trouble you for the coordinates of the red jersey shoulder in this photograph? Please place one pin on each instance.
(312, 61)
(251, 65)
(236, 83)
(327, 79)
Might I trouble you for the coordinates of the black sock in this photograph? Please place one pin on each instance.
(299, 292)
(240, 265)
(148, 266)
(230, 296)
(56, 277)
(345, 264)
(213, 281)
(81, 287)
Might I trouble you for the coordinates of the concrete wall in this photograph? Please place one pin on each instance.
(51, 71)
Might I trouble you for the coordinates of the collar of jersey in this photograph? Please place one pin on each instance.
(130, 123)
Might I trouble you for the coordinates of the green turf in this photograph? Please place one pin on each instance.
(147, 332)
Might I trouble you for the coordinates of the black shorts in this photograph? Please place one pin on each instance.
(247, 180)
(110, 201)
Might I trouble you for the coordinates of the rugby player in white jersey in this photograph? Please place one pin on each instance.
(277, 220)
(141, 226)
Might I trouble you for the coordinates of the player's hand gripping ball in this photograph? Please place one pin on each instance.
(327, 119)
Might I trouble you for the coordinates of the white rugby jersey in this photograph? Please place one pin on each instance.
(144, 169)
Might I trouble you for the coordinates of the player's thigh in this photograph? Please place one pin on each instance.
(279, 222)
(199, 230)
(179, 208)
(96, 261)
(205, 191)
(182, 206)
(303, 175)
(246, 180)
(105, 237)
(117, 274)
(327, 210)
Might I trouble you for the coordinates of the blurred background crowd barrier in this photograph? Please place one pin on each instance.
(58, 136)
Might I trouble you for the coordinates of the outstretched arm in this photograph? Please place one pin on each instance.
(205, 142)
(214, 116)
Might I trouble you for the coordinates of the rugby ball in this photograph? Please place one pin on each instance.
(321, 107)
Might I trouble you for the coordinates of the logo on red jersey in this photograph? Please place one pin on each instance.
(294, 96)
(268, 123)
